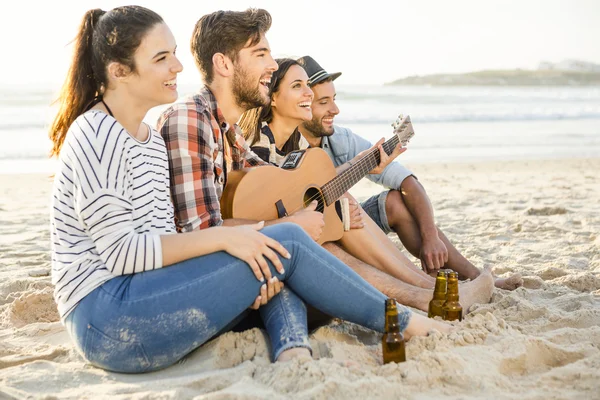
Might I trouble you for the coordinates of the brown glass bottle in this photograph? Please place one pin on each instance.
(452, 308)
(392, 342)
(439, 296)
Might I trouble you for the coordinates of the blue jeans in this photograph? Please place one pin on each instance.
(150, 320)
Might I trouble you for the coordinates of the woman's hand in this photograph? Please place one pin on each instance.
(251, 246)
(310, 220)
(267, 292)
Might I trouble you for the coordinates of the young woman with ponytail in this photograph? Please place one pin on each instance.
(134, 295)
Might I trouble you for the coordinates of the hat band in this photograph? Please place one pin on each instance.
(317, 76)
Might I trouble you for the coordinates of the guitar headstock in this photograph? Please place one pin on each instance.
(403, 129)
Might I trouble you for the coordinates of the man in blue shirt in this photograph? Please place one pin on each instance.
(404, 209)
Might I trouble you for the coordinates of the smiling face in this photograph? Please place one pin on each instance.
(156, 67)
(253, 70)
(293, 97)
(324, 111)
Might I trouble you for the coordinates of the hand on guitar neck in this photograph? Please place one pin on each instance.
(385, 159)
(403, 131)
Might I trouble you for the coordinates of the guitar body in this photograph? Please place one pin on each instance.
(254, 193)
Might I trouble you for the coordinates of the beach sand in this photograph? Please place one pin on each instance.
(541, 341)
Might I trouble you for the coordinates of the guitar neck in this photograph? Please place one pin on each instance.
(339, 185)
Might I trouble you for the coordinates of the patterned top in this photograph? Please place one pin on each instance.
(110, 206)
(265, 147)
(200, 155)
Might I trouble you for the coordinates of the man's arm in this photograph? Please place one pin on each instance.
(393, 173)
(434, 253)
(189, 139)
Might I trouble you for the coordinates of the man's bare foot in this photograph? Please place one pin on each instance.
(420, 325)
(479, 290)
(511, 283)
(295, 352)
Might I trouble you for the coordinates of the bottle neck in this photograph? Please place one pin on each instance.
(439, 293)
(452, 290)
(391, 323)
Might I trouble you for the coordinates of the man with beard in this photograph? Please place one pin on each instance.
(406, 208)
(203, 141)
(201, 134)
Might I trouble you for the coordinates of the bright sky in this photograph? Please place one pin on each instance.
(373, 41)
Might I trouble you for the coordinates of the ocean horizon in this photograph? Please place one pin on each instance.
(452, 124)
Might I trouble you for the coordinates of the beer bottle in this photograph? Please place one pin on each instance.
(392, 340)
(439, 296)
(452, 308)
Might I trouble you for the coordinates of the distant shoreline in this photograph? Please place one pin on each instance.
(503, 78)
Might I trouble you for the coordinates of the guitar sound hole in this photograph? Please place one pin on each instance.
(314, 194)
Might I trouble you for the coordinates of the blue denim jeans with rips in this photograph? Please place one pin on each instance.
(150, 320)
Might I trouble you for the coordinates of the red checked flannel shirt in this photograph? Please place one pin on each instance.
(200, 156)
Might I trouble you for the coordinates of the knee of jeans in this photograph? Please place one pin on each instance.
(289, 231)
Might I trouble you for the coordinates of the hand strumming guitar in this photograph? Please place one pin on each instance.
(310, 220)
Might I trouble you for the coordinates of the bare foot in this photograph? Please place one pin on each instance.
(479, 290)
(511, 283)
(302, 353)
(295, 352)
(420, 325)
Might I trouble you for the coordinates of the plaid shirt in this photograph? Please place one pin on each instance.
(200, 156)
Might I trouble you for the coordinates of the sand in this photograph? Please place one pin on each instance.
(541, 341)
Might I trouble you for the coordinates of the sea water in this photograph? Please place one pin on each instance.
(452, 124)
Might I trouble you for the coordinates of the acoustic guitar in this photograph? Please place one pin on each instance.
(270, 192)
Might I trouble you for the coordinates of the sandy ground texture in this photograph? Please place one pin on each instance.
(542, 341)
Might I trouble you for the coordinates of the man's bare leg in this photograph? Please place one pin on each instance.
(404, 293)
(385, 241)
(477, 291)
(403, 223)
(372, 249)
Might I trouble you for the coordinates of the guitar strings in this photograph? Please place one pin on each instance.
(388, 147)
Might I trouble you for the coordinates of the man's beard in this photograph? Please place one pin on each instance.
(315, 127)
(246, 95)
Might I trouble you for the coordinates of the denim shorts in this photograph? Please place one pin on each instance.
(375, 208)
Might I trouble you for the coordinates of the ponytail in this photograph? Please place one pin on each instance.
(103, 37)
(80, 86)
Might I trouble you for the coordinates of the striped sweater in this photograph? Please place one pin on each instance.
(110, 204)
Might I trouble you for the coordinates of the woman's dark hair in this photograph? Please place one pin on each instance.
(251, 121)
(103, 37)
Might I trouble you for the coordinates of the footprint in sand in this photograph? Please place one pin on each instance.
(550, 273)
(536, 356)
(583, 282)
(31, 307)
(547, 211)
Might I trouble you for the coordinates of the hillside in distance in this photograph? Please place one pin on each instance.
(564, 73)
